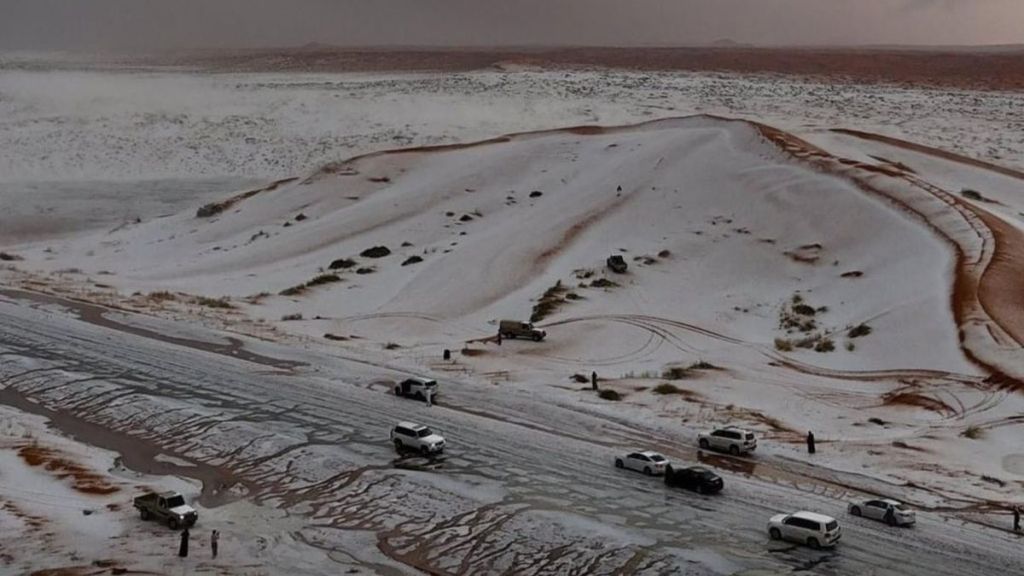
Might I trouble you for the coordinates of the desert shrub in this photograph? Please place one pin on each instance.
(804, 309)
(391, 346)
(974, 432)
(603, 283)
(323, 279)
(291, 317)
(825, 345)
(664, 254)
(342, 263)
(971, 194)
(666, 388)
(8, 257)
(580, 378)
(367, 270)
(702, 365)
(676, 373)
(412, 260)
(375, 252)
(608, 394)
(293, 290)
(859, 330)
(213, 302)
(549, 302)
(330, 336)
(573, 296)
(783, 345)
(161, 296)
(850, 346)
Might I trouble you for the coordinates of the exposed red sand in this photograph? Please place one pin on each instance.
(82, 480)
(980, 69)
(996, 289)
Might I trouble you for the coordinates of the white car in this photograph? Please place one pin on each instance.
(730, 439)
(418, 388)
(814, 530)
(410, 436)
(892, 512)
(650, 463)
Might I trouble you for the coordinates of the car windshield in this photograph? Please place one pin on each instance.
(657, 458)
(832, 525)
(175, 501)
(424, 433)
(430, 383)
(750, 436)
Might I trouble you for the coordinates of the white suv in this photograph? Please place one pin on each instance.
(410, 436)
(730, 439)
(815, 530)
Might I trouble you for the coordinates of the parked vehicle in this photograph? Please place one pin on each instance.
(517, 329)
(730, 439)
(814, 530)
(696, 478)
(617, 264)
(410, 436)
(892, 512)
(417, 388)
(168, 508)
(650, 463)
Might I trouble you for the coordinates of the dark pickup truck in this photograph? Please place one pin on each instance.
(168, 508)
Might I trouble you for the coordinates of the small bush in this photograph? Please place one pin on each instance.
(391, 346)
(330, 336)
(859, 330)
(412, 260)
(664, 254)
(603, 283)
(293, 290)
(783, 345)
(291, 317)
(666, 388)
(676, 373)
(971, 194)
(213, 302)
(804, 310)
(825, 345)
(375, 252)
(702, 365)
(342, 263)
(850, 346)
(367, 270)
(161, 296)
(8, 257)
(323, 279)
(974, 432)
(573, 296)
(608, 394)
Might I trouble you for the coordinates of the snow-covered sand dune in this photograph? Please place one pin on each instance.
(749, 249)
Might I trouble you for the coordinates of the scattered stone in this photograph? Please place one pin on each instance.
(536, 194)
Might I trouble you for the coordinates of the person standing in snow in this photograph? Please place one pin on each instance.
(1016, 518)
(593, 380)
(428, 395)
(183, 547)
(810, 442)
(214, 541)
(499, 338)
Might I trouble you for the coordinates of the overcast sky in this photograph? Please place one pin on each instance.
(159, 24)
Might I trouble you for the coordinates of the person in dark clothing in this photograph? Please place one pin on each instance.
(593, 380)
(1016, 518)
(810, 442)
(890, 516)
(499, 338)
(183, 548)
(214, 541)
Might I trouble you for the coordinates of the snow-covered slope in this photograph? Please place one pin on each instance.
(748, 249)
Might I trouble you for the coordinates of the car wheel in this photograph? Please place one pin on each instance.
(647, 470)
(536, 338)
(813, 543)
(734, 450)
(855, 511)
(774, 534)
(619, 464)
(700, 489)
(424, 450)
(145, 514)
(398, 391)
(172, 523)
(704, 443)
(420, 396)
(511, 336)
(398, 445)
